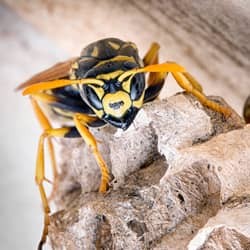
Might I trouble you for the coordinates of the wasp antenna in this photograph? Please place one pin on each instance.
(47, 85)
(58, 84)
(163, 67)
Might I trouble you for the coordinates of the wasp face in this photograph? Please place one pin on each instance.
(116, 102)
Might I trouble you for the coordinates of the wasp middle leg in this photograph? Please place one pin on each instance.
(48, 132)
(40, 175)
(188, 83)
(184, 80)
(45, 124)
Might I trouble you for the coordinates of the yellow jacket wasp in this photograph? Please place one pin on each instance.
(104, 85)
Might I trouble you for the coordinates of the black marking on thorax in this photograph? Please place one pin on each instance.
(101, 51)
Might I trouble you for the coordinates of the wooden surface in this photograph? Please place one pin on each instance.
(210, 38)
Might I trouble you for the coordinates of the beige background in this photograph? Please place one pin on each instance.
(23, 51)
(211, 40)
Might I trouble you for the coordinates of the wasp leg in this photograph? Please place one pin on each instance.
(45, 124)
(156, 79)
(187, 82)
(196, 85)
(42, 86)
(152, 55)
(81, 122)
(40, 174)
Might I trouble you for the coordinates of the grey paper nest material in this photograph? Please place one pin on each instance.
(178, 171)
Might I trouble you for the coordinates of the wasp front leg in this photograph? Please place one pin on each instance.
(81, 123)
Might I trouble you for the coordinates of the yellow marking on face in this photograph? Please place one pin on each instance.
(126, 74)
(138, 103)
(95, 52)
(91, 81)
(117, 58)
(110, 75)
(120, 99)
(126, 85)
(99, 91)
(114, 45)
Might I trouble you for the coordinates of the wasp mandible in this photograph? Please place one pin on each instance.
(105, 85)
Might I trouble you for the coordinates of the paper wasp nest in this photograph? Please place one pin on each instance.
(181, 180)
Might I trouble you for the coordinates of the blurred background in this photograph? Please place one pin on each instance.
(210, 38)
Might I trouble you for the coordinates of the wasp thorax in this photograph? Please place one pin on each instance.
(116, 104)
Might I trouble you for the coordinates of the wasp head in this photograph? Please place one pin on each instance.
(116, 102)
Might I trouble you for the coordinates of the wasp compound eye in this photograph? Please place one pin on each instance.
(137, 87)
(92, 98)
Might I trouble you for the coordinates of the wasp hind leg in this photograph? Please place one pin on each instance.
(40, 169)
(40, 175)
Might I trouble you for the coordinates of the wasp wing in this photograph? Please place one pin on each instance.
(58, 71)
